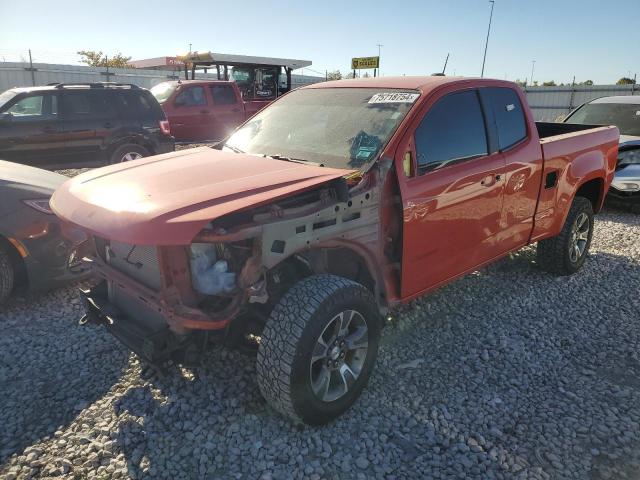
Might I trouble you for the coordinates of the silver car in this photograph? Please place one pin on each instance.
(624, 113)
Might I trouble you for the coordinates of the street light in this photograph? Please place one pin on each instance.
(486, 44)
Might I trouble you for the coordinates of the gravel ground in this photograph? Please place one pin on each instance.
(507, 373)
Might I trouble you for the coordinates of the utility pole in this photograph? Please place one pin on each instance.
(379, 45)
(189, 48)
(445, 64)
(486, 44)
(33, 72)
(533, 64)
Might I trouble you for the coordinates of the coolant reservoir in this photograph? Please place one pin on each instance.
(208, 274)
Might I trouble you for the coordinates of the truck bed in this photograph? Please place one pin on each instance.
(549, 129)
(570, 153)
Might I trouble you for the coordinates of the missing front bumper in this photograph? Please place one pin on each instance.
(155, 346)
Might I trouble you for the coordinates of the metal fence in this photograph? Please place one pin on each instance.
(548, 103)
(553, 103)
(21, 74)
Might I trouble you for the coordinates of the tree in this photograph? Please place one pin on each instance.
(522, 83)
(550, 83)
(335, 75)
(98, 59)
(626, 81)
(586, 82)
(349, 75)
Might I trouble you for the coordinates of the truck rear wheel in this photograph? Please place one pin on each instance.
(318, 348)
(565, 254)
(6, 275)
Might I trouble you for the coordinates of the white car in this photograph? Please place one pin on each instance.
(624, 113)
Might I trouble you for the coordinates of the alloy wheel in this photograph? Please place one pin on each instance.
(579, 237)
(130, 156)
(339, 355)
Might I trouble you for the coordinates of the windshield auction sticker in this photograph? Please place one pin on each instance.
(395, 97)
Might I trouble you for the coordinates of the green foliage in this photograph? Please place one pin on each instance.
(550, 83)
(335, 75)
(626, 81)
(98, 59)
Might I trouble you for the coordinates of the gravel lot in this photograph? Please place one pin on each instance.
(507, 373)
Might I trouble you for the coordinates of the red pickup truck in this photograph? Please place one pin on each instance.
(327, 209)
(204, 110)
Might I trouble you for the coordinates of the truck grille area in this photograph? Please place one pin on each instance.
(140, 262)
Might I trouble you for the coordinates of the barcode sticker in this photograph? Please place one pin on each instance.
(391, 97)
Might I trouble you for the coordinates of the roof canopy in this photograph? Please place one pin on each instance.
(210, 58)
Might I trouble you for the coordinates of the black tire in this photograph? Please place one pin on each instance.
(555, 254)
(120, 154)
(7, 275)
(284, 362)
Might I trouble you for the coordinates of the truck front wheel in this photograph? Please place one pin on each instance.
(565, 254)
(318, 348)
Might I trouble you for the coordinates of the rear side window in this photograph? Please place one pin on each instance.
(87, 105)
(191, 97)
(453, 130)
(509, 115)
(137, 104)
(223, 94)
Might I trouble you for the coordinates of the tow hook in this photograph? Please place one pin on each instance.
(93, 314)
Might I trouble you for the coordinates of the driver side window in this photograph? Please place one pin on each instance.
(34, 108)
(452, 131)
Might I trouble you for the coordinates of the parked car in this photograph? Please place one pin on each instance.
(330, 207)
(36, 251)
(67, 125)
(624, 113)
(204, 110)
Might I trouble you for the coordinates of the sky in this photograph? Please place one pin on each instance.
(588, 39)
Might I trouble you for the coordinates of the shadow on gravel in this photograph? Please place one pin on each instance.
(520, 374)
(50, 368)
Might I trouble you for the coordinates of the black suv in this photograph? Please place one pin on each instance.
(88, 124)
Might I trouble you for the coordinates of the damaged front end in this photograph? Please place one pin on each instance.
(166, 302)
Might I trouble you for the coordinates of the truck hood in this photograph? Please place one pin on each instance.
(167, 199)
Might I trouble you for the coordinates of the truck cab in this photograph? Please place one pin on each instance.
(203, 110)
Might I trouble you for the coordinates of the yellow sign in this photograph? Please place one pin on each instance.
(365, 62)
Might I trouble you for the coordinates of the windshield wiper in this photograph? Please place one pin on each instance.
(231, 147)
(277, 156)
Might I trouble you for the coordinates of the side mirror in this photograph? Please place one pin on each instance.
(6, 117)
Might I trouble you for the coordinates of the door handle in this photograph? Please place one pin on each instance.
(235, 110)
(49, 129)
(108, 125)
(490, 180)
(204, 111)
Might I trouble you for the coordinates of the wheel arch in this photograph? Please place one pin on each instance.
(341, 258)
(592, 190)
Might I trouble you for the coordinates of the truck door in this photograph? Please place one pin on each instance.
(453, 199)
(523, 158)
(31, 130)
(192, 115)
(228, 111)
